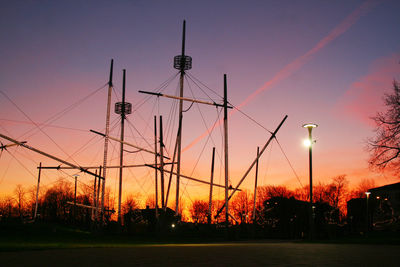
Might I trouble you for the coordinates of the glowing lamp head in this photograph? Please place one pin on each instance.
(310, 125)
(173, 225)
(307, 142)
(368, 193)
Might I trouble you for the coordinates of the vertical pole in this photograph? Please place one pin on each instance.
(179, 137)
(156, 167)
(367, 220)
(37, 190)
(110, 85)
(162, 163)
(94, 195)
(255, 186)
(311, 217)
(121, 155)
(211, 187)
(76, 180)
(226, 152)
(98, 195)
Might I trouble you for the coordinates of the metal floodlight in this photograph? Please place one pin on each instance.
(309, 143)
(310, 125)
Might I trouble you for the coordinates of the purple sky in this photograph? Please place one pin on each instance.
(327, 62)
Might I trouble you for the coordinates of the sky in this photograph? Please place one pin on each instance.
(325, 62)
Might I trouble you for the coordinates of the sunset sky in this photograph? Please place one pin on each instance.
(326, 62)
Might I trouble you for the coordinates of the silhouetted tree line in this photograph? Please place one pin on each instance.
(278, 209)
(55, 204)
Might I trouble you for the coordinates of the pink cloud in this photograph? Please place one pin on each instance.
(364, 97)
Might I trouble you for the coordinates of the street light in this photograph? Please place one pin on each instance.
(367, 221)
(309, 142)
(76, 179)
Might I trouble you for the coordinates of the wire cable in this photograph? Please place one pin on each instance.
(290, 164)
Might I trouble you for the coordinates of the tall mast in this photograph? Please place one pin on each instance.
(162, 164)
(122, 108)
(37, 190)
(110, 85)
(226, 153)
(211, 187)
(182, 63)
(255, 186)
(155, 169)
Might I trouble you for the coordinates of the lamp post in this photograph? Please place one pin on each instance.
(76, 179)
(367, 219)
(309, 142)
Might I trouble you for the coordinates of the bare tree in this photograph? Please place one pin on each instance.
(20, 193)
(385, 146)
(363, 186)
(7, 206)
(242, 205)
(198, 211)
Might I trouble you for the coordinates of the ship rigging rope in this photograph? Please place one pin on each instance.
(86, 145)
(61, 113)
(44, 125)
(23, 165)
(170, 122)
(250, 118)
(54, 117)
(26, 115)
(194, 78)
(209, 136)
(267, 163)
(141, 136)
(290, 164)
(159, 89)
(141, 155)
(6, 169)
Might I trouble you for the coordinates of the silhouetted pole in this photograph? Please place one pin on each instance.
(162, 163)
(211, 187)
(310, 126)
(179, 137)
(98, 196)
(76, 180)
(226, 152)
(37, 191)
(110, 85)
(367, 220)
(156, 167)
(94, 196)
(121, 155)
(255, 186)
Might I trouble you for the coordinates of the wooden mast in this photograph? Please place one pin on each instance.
(179, 136)
(155, 164)
(162, 164)
(37, 191)
(211, 187)
(226, 153)
(110, 85)
(121, 155)
(255, 186)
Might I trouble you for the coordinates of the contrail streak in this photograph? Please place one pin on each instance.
(298, 62)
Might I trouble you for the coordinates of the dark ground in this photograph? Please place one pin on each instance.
(58, 245)
(271, 253)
